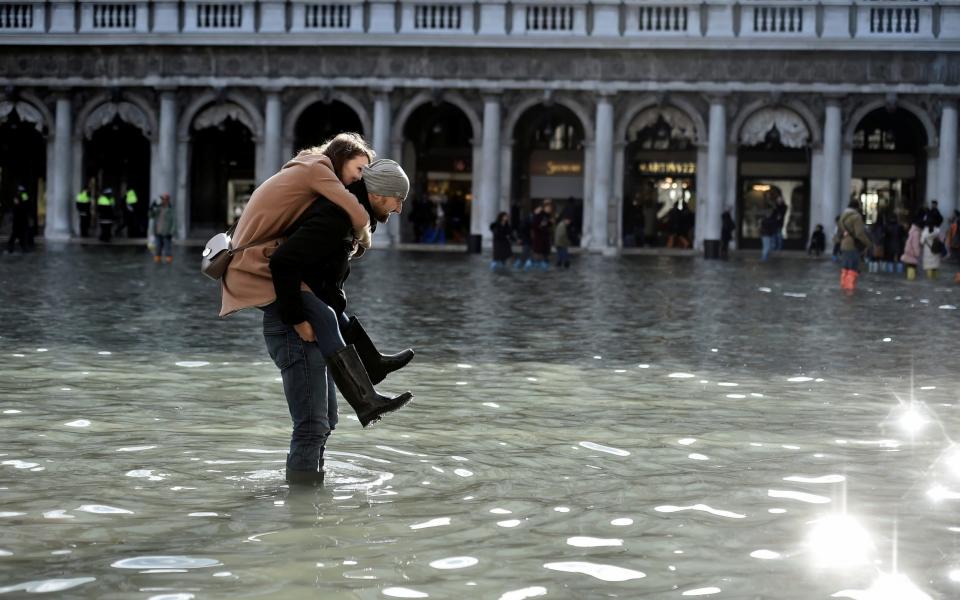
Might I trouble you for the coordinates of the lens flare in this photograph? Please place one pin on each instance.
(839, 541)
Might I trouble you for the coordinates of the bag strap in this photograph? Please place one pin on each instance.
(843, 223)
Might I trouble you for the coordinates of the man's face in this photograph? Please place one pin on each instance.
(352, 169)
(384, 206)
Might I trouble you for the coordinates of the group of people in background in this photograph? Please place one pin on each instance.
(886, 246)
(159, 230)
(107, 213)
(537, 233)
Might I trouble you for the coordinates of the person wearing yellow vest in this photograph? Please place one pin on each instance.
(105, 206)
(129, 215)
(83, 210)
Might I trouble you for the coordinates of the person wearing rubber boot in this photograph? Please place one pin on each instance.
(274, 209)
(310, 327)
(854, 241)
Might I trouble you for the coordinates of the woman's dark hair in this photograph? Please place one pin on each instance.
(501, 216)
(341, 148)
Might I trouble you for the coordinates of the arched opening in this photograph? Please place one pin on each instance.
(889, 165)
(438, 152)
(549, 164)
(773, 161)
(23, 161)
(222, 169)
(321, 121)
(659, 185)
(116, 158)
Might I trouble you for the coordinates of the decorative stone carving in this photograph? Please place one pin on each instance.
(681, 126)
(793, 131)
(104, 115)
(217, 114)
(26, 112)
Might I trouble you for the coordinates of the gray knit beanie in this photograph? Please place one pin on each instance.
(385, 177)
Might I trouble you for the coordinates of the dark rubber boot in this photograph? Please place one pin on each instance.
(378, 365)
(307, 478)
(355, 386)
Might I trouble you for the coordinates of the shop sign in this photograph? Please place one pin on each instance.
(563, 168)
(556, 164)
(654, 167)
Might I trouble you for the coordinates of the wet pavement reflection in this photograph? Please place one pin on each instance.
(637, 427)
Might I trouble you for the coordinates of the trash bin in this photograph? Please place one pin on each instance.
(474, 244)
(711, 249)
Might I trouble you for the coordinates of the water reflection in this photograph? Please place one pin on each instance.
(632, 428)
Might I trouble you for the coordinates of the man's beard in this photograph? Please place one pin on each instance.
(380, 214)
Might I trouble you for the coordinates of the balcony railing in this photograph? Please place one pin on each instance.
(327, 16)
(895, 20)
(16, 17)
(549, 18)
(663, 18)
(778, 19)
(703, 23)
(115, 16)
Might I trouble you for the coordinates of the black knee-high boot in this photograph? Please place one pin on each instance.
(378, 365)
(354, 384)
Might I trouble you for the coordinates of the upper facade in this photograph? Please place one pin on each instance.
(908, 25)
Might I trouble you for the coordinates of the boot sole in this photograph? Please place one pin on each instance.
(404, 400)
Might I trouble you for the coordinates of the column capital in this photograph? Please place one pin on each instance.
(605, 95)
(165, 88)
(381, 90)
(61, 93)
(833, 99)
(718, 97)
(948, 102)
(492, 95)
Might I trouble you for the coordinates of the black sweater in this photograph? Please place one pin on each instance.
(316, 253)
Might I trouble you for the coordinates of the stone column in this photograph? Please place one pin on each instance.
(388, 235)
(490, 167)
(167, 144)
(947, 162)
(60, 200)
(716, 175)
(831, 202)
(602, 173)
(182, 207)
(273, 134)
(382, 124)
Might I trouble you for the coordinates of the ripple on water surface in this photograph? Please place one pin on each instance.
(165, 562)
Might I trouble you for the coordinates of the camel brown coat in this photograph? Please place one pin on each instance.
(273, 208)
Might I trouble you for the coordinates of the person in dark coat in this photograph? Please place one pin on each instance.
(502, 241)
(768, 233)
(818, 242)
(524, 228)
(727, 227)
(307, 332)
(541, 230)
(780, 214)
(21, 220)
(933, 216)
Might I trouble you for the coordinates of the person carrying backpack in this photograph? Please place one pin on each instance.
(854, 241)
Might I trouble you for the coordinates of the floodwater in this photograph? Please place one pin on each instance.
(640, 427)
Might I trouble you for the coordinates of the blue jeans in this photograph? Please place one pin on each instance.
(308, 387)
(164, 245)
(767, 241)
(778, 240)
(563, 256)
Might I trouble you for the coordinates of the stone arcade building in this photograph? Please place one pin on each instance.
(622, 111)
